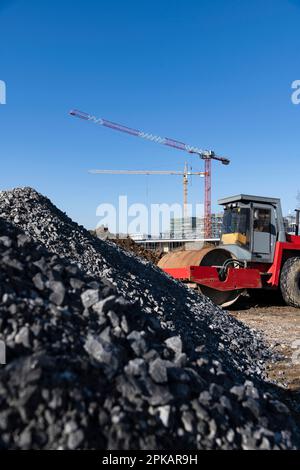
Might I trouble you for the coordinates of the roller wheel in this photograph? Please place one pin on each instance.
(217, 257)
(221, 298)
(290, 282)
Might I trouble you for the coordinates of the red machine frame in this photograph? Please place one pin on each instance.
(241, 278)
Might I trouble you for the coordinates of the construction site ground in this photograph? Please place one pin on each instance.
(280, 326)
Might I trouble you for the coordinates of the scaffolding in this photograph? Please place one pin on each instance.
(194, 227)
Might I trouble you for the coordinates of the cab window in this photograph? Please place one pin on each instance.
(262, 220)
(236, 220)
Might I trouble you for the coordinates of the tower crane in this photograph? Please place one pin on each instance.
(206, 155)
(186, 173)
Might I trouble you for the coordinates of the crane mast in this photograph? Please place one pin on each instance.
(206, 155)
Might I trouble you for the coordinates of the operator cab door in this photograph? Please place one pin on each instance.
(263, 229)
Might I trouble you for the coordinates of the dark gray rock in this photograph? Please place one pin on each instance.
(90, 297)
(75, 439)
(175, 344)
(158, 370)
(58, 292)
(24, 337)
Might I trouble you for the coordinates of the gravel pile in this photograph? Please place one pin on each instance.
(94, 362)
(194, 318)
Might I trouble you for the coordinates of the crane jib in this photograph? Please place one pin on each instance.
(144, 135)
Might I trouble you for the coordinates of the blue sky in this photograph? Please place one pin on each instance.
(214, 73)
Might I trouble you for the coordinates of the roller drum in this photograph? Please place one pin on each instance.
(209, 256)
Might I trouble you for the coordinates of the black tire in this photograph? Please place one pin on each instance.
(290, 282)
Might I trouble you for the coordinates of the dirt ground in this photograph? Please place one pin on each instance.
(280, 326)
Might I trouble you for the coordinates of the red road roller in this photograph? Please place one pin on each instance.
(255, 252)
